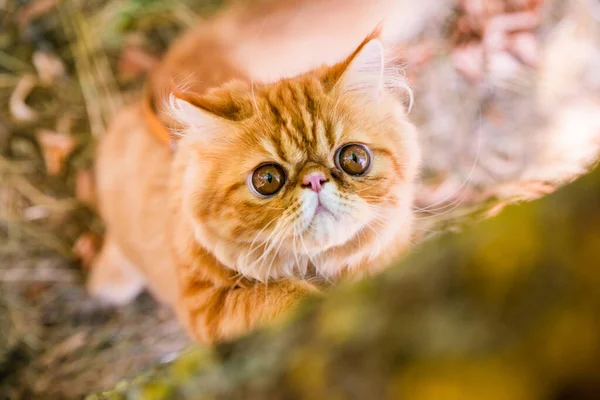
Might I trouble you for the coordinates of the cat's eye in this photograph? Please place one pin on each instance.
(354, 159)
(267, 180)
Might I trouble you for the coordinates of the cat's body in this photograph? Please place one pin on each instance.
(190, 225)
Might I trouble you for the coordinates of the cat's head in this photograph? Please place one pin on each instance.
(317, 168)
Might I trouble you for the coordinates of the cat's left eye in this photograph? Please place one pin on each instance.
(267, 180)
(354, 159)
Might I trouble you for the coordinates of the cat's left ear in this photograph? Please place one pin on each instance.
(363, 71)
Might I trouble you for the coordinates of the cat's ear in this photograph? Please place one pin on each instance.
(363, 71)
(219, 103)
(203, 115)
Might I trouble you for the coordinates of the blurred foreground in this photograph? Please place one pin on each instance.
(491, 313)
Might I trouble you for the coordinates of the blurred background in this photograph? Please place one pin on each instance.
(507, 101)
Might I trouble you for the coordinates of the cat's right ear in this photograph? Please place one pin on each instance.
(194, 121)
(204, 115)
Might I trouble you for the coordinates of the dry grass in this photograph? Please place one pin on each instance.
(59, 343)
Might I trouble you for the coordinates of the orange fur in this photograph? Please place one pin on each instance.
(225, 258)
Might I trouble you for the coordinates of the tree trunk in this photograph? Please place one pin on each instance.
(509, 309)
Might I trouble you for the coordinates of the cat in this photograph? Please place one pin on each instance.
(271, 192)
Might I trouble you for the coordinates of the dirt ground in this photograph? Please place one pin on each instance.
(507, 102)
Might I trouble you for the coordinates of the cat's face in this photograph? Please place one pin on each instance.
(299, 169)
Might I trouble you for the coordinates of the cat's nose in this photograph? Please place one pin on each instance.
(314, 181)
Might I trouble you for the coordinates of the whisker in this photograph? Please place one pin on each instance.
(258, 234)
(267, 245)
(294, 248)
(304, 263)
(262, 230)
(471, 172)
(232, 287)
(377, 237)
(306, 250)
(274, 242)
(274, 208)
(275, 253)
(276, 232)
(457, 205)
(375, 198)
(436, 210)
(365, 188)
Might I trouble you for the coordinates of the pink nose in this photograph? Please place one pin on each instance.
(314, 181)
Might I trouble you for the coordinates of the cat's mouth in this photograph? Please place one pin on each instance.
(322, 211)
(322, 208)
(325, 224)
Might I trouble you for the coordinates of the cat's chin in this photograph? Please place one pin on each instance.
(327, 230)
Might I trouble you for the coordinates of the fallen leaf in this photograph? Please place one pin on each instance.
(502, 67)
(421, 53)
(525, 47)
(85, 189)
(56, 148)
(35, 10)
(497, 208)
(493, 114)
(49, 67)
(19, 109)
(36, 212)
(134, 62)
(86, 248)
(478, 12)
(68, 346)
(497, 29)
(506, 30)
(64, 124)
(469, 60)
(35, 290)
(529, 5)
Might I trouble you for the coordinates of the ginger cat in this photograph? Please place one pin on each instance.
(273, 190)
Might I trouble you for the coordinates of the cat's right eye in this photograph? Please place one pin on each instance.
(266, 180)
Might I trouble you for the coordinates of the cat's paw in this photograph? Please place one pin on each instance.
(301, 286)
(285, 294)
(113, 279)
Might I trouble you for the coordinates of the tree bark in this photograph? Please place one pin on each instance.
(509, 309)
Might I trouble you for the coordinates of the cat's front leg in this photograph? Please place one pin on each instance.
(214, 312)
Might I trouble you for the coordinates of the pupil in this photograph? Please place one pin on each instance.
(354, 158)
(269, 177)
